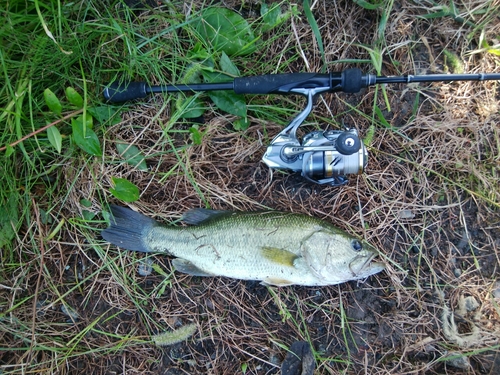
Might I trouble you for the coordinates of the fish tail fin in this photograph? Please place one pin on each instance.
(128, 229)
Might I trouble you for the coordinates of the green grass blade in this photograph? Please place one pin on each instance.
(315, 29)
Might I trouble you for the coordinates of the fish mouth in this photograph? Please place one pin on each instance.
(368, 267)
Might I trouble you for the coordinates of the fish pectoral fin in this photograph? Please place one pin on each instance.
(185, 266)
(276, 281)
(279, 256)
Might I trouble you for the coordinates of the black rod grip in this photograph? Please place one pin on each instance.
(121, 92)
(280, 83)
(352, 80)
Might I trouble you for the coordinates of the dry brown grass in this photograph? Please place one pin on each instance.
(429, 200)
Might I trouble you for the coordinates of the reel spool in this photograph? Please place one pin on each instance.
(346, 154)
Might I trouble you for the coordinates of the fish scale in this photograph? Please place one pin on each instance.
(275, 247)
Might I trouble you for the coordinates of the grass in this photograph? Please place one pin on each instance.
(429, 198)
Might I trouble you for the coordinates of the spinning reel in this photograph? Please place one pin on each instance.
(323, 157)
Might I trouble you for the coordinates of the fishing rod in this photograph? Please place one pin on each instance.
(323, 157)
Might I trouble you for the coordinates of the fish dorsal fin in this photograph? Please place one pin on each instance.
(185, 266)
(199, 216)
(279, 256)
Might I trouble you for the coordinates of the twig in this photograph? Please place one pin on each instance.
(43, 129)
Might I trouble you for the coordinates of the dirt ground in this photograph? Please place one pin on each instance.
(427, 200)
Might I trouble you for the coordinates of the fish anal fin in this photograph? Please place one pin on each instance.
(185, 266)
(279, 256)
(276, 281)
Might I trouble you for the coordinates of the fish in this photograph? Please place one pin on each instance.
(274, 247)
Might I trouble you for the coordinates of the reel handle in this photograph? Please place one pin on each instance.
(347, 143)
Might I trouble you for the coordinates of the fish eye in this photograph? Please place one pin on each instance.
(356, 245)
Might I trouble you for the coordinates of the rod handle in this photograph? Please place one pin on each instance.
(118, 92)
(279, 83)
(349, 80)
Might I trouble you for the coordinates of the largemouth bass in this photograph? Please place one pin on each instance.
(277, 248)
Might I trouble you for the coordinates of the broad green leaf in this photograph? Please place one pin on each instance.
(84, 136)
(45, 218)
(9, 150)
(270, 16)
(241, 124)
(201, 61)
(87, 215)
(124, 190)
(190, 107)
(105, 114)
(52, 102)
(132, 156)
(199, 53)
(74, 97)
(226, 31)
(55, 138)
(273, 17)
(228, 66)
(86, 203)
(196, 135)
(229, 102)
(212, 77)
(106, 215)
(89, 120)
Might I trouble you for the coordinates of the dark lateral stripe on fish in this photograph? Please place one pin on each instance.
(127, 228)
